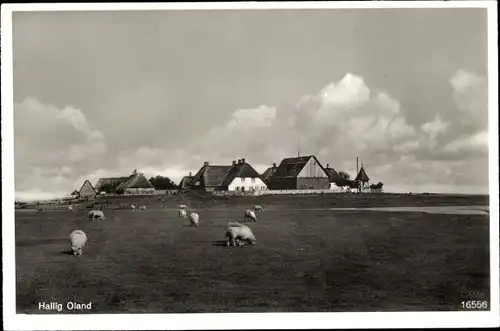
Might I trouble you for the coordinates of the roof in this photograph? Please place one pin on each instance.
(113, 181)
(268, 173)
(291, 167)
(211, 175)
(362, 176)
(85, 183)
(243, 170)
(333, 175)
(186, 181)
(136, 180)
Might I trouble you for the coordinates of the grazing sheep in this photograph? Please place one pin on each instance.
(78, 240)
(182, 213)
(143, 207)
(250, 215)
(132, 206)
(258, 208)
(96, 215)
(40, 209)
(195, 219)
(70, 208)
(182, 206)
(237, 233)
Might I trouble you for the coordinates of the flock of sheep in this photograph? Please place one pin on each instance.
(236, 233)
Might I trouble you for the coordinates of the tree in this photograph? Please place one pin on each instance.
(344, 179)
(162, 183)
(344, 175)
(377, 186)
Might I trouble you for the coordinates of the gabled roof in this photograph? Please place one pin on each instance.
(333, 175)
(291, 167)
(136, 180)
(211, 175)
(85, 184)
(243, 170)
(362, 176)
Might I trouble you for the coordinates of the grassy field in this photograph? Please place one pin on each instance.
(306, 259)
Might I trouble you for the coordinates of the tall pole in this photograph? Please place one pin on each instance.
(357, 165)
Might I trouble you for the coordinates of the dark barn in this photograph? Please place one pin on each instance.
(302, 173)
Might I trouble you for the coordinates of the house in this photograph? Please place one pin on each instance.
(210, 177)
(87, 191)
(304, 172)
(335, 180)
(243, 177)
(269, 173)
(186, 182)
(109, 185)
(136, 183)
(362, 180)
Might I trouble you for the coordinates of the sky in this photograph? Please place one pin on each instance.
(99, 94)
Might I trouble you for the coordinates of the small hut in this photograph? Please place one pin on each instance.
(362, 180)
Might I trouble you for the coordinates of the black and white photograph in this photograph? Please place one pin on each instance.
(176, 165)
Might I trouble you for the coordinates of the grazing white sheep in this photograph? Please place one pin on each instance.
(195, 219)
(96, 215)
(143, 207)
(258, 208)
(182, 213)
(78, 240)
(237, 234)
(70, 208)
(182, 206)
(133, 207)
(250, 215)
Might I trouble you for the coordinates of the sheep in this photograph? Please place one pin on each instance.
(133, 207)
(40, 209)
(195, 219)
(182, 213)
(70, 208)
(96, 214)
(78, 239)
(250, 215)
(258, 208)
(237, 233)
(182, 206)
(143, 207)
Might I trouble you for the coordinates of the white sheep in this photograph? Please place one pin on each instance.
(182, 206)
(78, 240)
(70, 208)
(237, 233)
(182, 213)
(195, 219)
(250, 215)
(96, 214)
(133, 207)
(258, 208)
(143, 207)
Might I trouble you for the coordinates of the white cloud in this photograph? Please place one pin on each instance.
(473, 143)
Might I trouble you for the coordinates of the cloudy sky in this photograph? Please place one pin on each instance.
(103, 93)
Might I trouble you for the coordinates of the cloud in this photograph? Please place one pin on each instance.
(58, 148)
(52, 145)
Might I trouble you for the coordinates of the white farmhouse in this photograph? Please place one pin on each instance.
(243, 177)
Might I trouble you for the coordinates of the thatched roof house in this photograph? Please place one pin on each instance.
(136, 183)
(109, 184)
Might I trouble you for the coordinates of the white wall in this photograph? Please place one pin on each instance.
(312, 170)
(248, 183)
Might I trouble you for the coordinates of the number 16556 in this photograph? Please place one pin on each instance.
(474, 304)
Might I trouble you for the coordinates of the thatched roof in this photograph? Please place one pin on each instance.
(186, 181)
(243, 170)
(136, 180)
(333, 175)
(362, 176)
(113, 182)
(211, 175)
(291, 167)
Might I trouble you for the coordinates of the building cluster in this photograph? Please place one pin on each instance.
(294, 173)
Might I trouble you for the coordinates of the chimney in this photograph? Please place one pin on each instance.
(327, 166)
(234, 162)
(190, 174)
(205, 163)
(242, 160)
(239, 161)
(274, 165)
